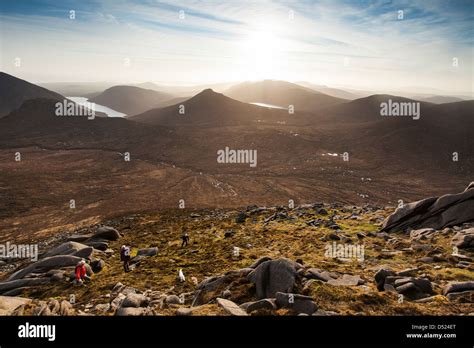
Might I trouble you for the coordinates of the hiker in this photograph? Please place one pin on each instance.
(80, 273)
(185, 239)
(125, 257)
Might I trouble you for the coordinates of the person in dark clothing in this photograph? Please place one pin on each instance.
(185, 239)
(125, 257)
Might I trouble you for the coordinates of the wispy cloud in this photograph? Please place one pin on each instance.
(362, 43)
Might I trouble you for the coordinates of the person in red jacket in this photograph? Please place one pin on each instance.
(80, 272)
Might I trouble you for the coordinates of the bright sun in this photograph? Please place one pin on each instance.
(260, 53)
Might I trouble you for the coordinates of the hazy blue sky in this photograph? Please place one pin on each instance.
(342, 43)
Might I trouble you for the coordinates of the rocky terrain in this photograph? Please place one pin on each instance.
(259, 261)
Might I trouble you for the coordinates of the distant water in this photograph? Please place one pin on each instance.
(269, 106)
(98, 108)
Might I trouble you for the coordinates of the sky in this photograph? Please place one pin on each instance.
(375, 45)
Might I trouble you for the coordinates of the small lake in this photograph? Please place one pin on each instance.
(98, 108)
(269, 106)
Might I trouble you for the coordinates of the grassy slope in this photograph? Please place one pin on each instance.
(209, 253)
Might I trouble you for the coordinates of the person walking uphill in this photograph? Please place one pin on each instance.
(185, 239)
(125, 257)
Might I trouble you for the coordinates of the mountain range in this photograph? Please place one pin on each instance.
(173, 154)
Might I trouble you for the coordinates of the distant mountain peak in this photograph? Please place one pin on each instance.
(209, 94)
(207, 91)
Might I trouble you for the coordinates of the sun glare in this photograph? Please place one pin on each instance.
(261, 51)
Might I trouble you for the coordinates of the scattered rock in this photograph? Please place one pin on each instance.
(462, 296)
(422, 234)
(240, 219)
(97, 265)
(347, 280)
(324, 313)
(230, 307)
(132, 311)
(295, 302)
(102, 307)
(409, 272)
(117, 287)
(229, 234)
(172, 299)
(116, 302)
(134, 300)
(226, 293)
(464, 239)
(66, 309)
(266, 304)
(184, 312)
(314, 273)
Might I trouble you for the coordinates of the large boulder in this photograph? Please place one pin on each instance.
(259, 261)
(273, 276)
(381, 276)
(85, 253)
(9, 304)
(413, 288)
(134, 300)
(453, 287)
(97, 244)
(435, 212)
(67, 248)
(212, 287)
(79, 237)
(107, 233)
(21, 283)
(46, 264)
(147, 252)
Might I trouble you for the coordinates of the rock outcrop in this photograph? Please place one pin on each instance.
(273, 276)
(435, 212)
